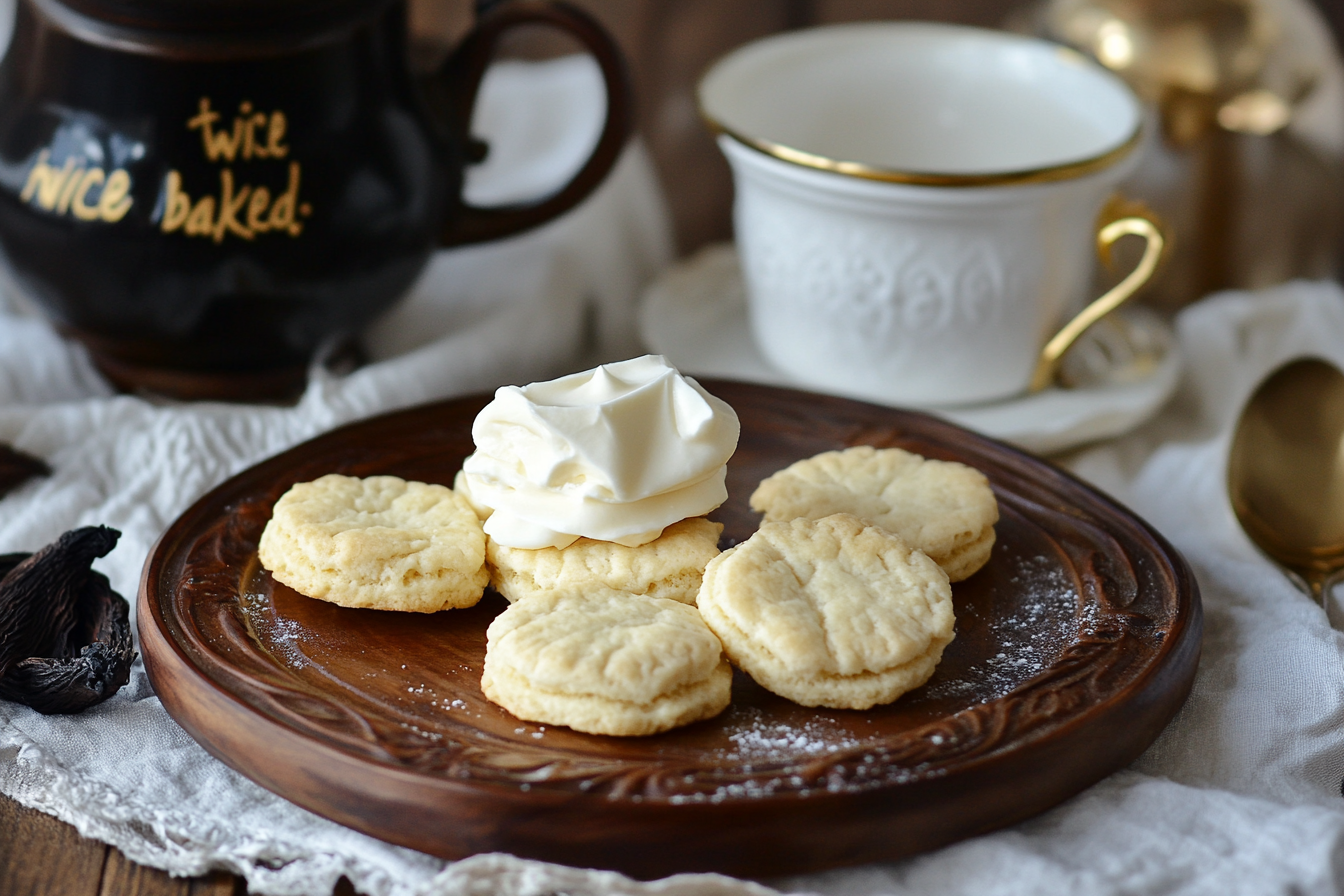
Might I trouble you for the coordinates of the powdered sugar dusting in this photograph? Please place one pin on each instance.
(1043, 621)
(283, 637)
(755, 738)
(821, 755)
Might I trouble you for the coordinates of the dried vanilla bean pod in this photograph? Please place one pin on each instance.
(39, 596)
(17, 468)
(85, 675)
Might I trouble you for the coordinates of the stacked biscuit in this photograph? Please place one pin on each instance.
(605, 638)
(593, 490)
(626, 623)
(843, 597)
(605, 662)
(943, 508)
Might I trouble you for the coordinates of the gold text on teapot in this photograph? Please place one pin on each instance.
(253, 135)
(74, 188)
(243, 210)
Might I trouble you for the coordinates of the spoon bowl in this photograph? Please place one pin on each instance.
(1285, 472)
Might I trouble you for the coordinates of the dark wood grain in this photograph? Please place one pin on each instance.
(26, 835)
(221, 883)
(1075, 645)
(43, 856)
(122, 877)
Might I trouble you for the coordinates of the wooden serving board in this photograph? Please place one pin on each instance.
(1075, 645)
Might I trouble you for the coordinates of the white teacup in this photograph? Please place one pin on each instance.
(917, 204)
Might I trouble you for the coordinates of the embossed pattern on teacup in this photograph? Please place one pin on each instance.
(846, 301)
(882, 281)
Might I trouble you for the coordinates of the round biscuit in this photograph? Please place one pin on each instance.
(968, 559)
(830, 612)
(670, 566)
(943, 508)
(605, 662)
(380, 542)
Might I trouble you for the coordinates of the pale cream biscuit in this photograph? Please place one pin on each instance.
(605, 662)
(380, 542)
(943, 508)
(670, 566)
(830, 612)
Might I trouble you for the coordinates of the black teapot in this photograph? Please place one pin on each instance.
(208, 194)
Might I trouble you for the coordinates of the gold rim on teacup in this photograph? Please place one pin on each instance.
(1084, 164)
(1062, 171)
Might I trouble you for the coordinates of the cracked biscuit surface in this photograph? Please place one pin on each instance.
(830, 612)
(605, 662)
(380, 542)
(943, 508)
(670, 566)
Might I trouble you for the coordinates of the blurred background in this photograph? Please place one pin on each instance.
(1247, 146)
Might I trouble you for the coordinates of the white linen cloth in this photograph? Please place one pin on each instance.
(1241, 794)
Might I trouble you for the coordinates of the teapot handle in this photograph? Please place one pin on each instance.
(460, 76)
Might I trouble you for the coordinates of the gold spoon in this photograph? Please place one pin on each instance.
(1285, 473)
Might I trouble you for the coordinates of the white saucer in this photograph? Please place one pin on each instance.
(696, 315)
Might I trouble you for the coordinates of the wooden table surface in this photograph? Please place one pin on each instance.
(41, 856)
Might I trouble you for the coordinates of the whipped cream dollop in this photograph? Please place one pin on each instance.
(616, 453)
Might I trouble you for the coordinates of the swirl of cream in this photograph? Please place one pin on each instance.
(616, 453)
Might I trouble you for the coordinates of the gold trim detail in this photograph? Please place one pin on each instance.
(1118, 219)
(1064, 171)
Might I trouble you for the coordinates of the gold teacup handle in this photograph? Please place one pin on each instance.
(1138, 222)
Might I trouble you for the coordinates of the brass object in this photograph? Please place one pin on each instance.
(1285, 472)
(1125, 219)
(1254, 201)
(1204, 63)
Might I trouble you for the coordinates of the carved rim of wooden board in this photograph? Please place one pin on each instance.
(1076, 644)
